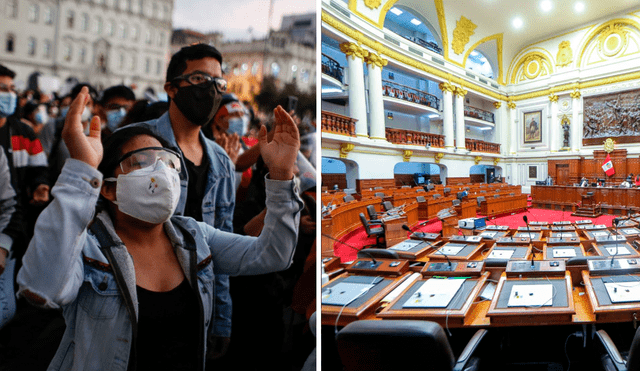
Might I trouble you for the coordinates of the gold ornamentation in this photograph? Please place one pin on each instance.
(438, 156)
(354, 50)
(597, 32)
(372, 4)
(498, 38)
(477, 160)
(445, 86)
(497, 105)
(553, 98)
(443, 27)
(530, 66)
(495, 161)
(511, 104)
(575, 94)
(460, 91)
(406, 155)
(609, 145)
(565, 55)
(565, 120)
(345, 148)
(375, 59)
(612, 39)
(464, 29)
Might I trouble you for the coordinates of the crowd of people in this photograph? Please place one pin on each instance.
(164, 235)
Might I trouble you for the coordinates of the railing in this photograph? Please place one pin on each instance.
(395, 90)
(402, 136)
(425, 44)
(476, 145)
(332, 68)
(478, 114)
(338, 124)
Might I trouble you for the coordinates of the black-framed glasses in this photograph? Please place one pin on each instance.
(205, 80)
(148, 157)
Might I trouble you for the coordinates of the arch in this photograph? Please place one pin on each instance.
(609, 25)
(482, 170)
(432, 30)
(532, 65)
(339, 166)
(404, 172)
(498, 38)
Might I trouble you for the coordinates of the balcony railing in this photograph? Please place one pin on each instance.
(402, 136)
(476, 145)
(479, 114)
(332, 68)
(338, 124)
(425, 44)
(395, 90)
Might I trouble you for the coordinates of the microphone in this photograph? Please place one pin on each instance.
(533, 254)
(406, 228)
(615, 224)
(373, 260)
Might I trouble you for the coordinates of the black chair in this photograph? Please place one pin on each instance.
(429, 187)
(613, 360)
(373, 215)
(420, 190)
(378, 254)
(348, 198)
(496, 196)
(373, 230)
(379, 194)
(376, 188)
(437, 196)
(446, 191)
(421, 199)
(480, 199)
(455, 203)
(402, 345)
(387, 205)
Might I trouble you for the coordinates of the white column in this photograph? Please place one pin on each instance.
(513, 128)
(357, 105)
(576, 121)
(502, 127)
(460, 127)
(554, 133)
(447, 113)
(376, 105)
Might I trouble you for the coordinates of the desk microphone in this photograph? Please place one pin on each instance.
(373, 260)
(533, 254)
(615, 224)
(406, 228)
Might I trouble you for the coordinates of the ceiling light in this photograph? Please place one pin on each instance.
(396, 11)
(416, 22)
(331, 90)
(486, 128)
(546, 5)
(517, 22)
(433, 115)
(579, 7)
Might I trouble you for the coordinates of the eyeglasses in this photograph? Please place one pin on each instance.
(7, 88)
(204, 80)
(148, 157)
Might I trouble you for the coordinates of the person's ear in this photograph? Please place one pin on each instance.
(108, 191)
(170, 89)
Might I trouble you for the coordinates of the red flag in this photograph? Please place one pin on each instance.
(607, 166)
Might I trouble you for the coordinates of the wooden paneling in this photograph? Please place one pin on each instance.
(611, 200)
(458, 180)
(477, 178)
(330, 180)
(404, 179)
(362, 184)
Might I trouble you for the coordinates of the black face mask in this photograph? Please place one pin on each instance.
(198, 104)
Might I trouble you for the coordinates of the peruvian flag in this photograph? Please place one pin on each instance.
(607, 167)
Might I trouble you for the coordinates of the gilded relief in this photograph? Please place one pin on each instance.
(565, 55)
(615, 115)
(461, 34)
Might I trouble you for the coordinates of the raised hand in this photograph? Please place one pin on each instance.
(81, 147)
(281, 152)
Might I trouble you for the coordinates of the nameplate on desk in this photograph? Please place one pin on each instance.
(345, 292)
(539, 223)
(405, 245)
(623, 292)
(613, 266)
(450, 249)
(564, 235)
(389, 218)
(619, 250)
(531, 295)
(435, 293)
(500, 254)
(564, 253)
(562, 223)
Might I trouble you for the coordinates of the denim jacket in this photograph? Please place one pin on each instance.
(65, 267)
(217, 207)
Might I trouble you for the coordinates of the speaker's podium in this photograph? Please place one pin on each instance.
(588, 206)
(449, 218)
(393, 232)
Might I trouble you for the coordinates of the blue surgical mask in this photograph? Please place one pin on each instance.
(41, 117)
(236, 125)
(63, 111)
(114, 118)
(8, 101)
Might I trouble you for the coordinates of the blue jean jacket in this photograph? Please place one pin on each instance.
(65, 267)
(217, 207)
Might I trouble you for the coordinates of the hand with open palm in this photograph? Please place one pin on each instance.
(81, 147)
(281, 152)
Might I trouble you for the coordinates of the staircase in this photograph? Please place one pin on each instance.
(588, 208)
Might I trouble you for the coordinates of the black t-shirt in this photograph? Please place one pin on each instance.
(167, 329)
(196, 187)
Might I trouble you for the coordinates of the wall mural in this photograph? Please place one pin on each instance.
(615, 115)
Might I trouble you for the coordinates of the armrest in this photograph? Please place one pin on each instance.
(611, 349)
(466, 354)
(375, 221)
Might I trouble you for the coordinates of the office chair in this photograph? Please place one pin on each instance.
(455, 203)
(421, 199)
(496, 196)
(446, 191)
(480, 199)
(376, 188)
(430, 187)
(378, 254)
(613, 360)
(402, 345)
(348, 198)
(379, 194)
(377, 231)
(420, 190)
(387, 205)
(373, 215)
(437, 196)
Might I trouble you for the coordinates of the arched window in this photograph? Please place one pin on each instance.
(84, 22)
(10, 43)
(48, 15)
(82, 56)
(67, 52)
(412, 26)
(70, 18)
(97, 26)
(12, 8)
(46, 49)
(478, 63)
(33, 13)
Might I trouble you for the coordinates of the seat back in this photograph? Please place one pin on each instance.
(387, 205)
(480, 199)
(348, 198)
(455, 203)
(633, 360)
(371, 210)
(394, 345)
(446, 191)
(365, 223)
(421, 199)
(437, 196)
(430, 187)
(378, 254)
(379, 194)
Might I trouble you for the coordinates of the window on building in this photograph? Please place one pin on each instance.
(84, 22)
(478, 63)
(165, 10)
(135, 32)
(33, 13)
(147, 36)
(135, 7)
(46, 49)
(12, 8)
(132, 62)
(10, 43)
(304, 74)
(83, 55)
(121, 62)
(122, 31)
(158, 67)
(160, 38)
(157, 11)
(255, 68)
(97, 26)
(110, 28)
(275, 69)
(31, 46)
(48, 15)
(67, 51)
(70, 18)
(147, 65)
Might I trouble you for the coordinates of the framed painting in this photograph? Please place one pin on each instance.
(533, 172)
(532, 127)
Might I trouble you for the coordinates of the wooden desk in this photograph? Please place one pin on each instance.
(603, 308)
(393, 232)
(611, 200)
(502, 205)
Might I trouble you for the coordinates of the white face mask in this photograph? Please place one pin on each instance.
(86, 114)
(150, 194)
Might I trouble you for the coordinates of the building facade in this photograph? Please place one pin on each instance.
(103, 42)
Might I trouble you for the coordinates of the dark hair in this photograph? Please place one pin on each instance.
(142, 111)
(178, 63)
(4, 71)
(76, 90)
(28, 108)
(113, 147)
(118, 91)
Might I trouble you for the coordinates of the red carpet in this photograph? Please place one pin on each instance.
(358, 238)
